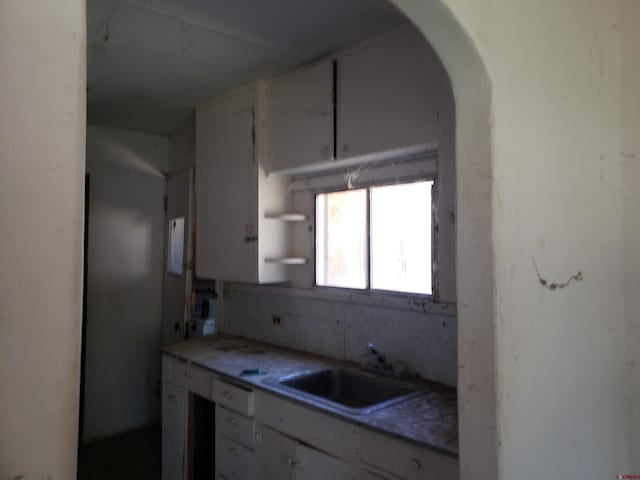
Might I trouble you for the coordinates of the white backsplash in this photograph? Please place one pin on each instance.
(426, 343)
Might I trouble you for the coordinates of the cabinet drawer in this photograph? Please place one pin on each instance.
(312, 464)
(196, 379)
(405, 460)
(233, 461)
(235, 426)
(369, 475)
(235, 398)
(326, 433)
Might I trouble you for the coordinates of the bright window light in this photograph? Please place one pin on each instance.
(401, 238)
(377, 238)
(341, 239)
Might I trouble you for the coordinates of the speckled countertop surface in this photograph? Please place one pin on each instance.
(430, 420)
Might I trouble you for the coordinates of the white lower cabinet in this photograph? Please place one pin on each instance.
(403, 460)
(174, 431)
(367, 474)
(315, 465)
(234, 461)
(284, 440)
(276, 454)
(280, 457)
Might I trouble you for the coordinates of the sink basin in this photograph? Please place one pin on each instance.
(350, 391)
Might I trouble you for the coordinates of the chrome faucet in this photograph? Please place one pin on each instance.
(371, 350)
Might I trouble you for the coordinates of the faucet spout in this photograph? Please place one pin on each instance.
(371, 349)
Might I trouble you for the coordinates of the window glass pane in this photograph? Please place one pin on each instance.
(176, 245)
(341, 239)
(401, 237)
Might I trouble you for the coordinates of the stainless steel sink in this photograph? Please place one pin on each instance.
(351, 391)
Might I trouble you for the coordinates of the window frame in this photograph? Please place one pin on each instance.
(373, 292)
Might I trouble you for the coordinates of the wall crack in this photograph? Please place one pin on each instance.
(577, 277)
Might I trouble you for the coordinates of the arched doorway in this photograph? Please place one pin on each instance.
(474, 247)
(474, 271)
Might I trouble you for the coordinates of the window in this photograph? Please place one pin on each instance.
(176, 245)
(376, 238)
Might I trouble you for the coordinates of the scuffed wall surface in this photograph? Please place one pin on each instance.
(561, 358)
(124, 299)
(422, 343)
(42, 109)
(630, 161)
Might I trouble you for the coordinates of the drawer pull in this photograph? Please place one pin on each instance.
(232, 421)
(173, 398)
(292, 463)
(227, 394)
(417, 463)
(188, 374)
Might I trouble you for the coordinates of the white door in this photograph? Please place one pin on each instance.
(178, 257)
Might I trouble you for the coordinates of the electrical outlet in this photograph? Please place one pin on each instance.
(275, 319)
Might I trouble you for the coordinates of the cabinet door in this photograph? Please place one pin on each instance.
(226, 189)
(276, 454)
(299, 123)
(398, 458)
(174, 421)
(312, 464)
(234, 461)
(388, 94)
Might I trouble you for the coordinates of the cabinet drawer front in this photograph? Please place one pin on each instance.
(369, 475)
(196, 379)
(322, 431)
(233, 461)
(314, 465)
(235, 426)
(232, 397)
(405, 460)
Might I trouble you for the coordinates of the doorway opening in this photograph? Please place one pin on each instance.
(150, 66)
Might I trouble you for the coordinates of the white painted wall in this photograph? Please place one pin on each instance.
(42, 107)
(124, 284)
(630, 162)
(562, 407)
(419, 342)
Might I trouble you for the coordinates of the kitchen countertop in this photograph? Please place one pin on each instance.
(429, 421)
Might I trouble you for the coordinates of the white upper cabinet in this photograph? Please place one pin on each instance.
(300, 118)
(388, 95)
(234, 240)
(380, 99)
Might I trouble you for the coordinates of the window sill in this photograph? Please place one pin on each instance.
(414, 303)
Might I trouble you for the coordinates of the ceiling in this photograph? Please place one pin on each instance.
(151, 61)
